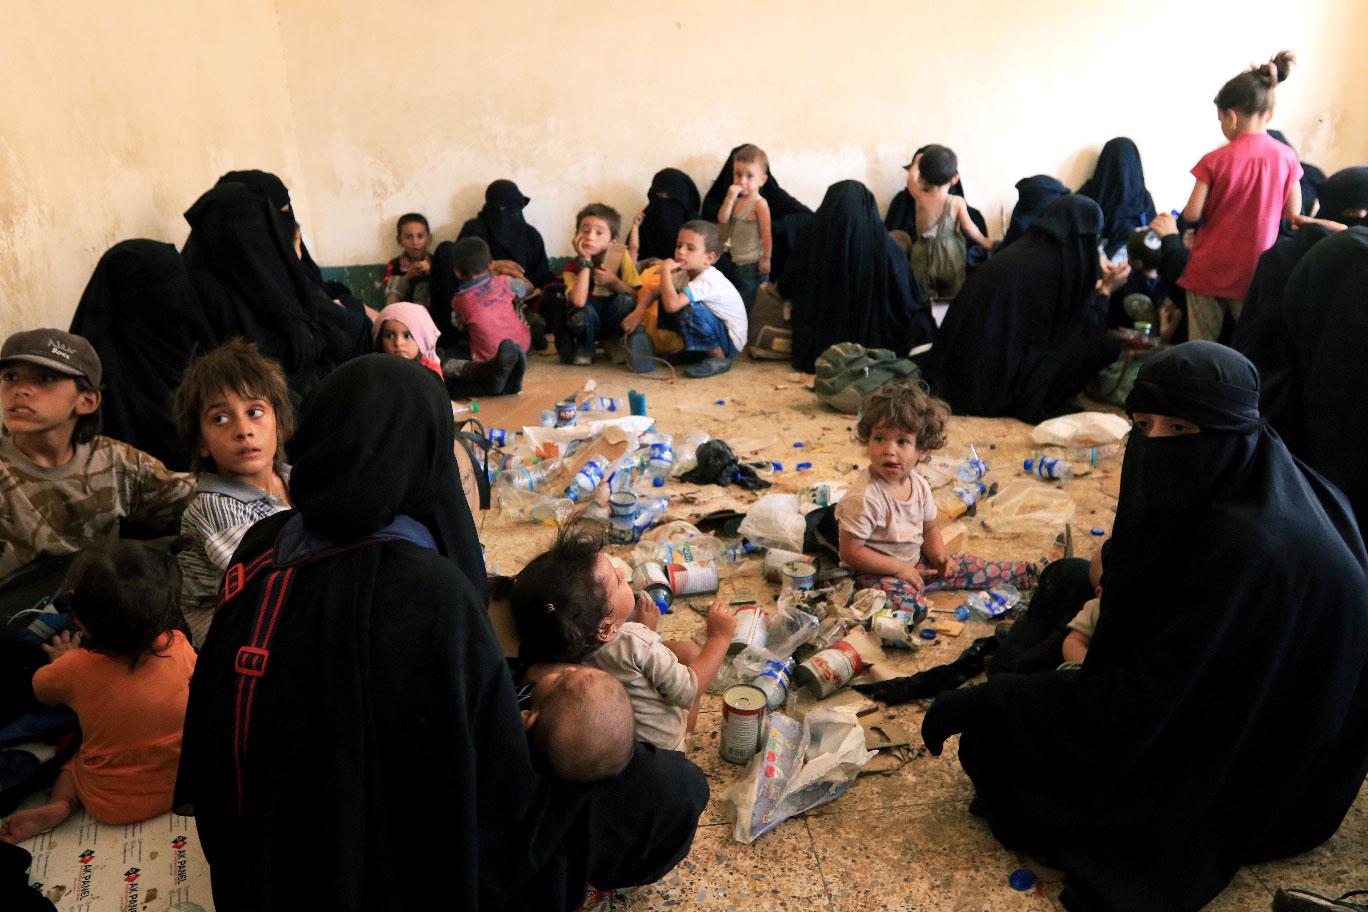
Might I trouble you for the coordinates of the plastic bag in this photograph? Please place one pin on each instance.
(1026, 505)
(789, 626)
(775, 521)
(1094, 429)
(800, 766)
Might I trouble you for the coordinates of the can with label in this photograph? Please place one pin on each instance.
(799, 575)
(750, 629)
(776, 558)
(693, 578)
(565, 412)
(894, 628)
(650, 578)
(829, 670)
(745, 711)
(775, 679)
(499, 436)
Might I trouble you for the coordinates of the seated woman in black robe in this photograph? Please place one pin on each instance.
(140, 312)
(351, 681)
(1220, 717)
(672, 200)
(1118, 186)
(517, 248)
(1028, 330)
(1034, 196)
(850, 282)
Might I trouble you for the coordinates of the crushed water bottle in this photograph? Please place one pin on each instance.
(1048, 468)
(973, 467)
(586, 480)
(523, 477)
(648, 511)
(686, 455)
(600, 404)
(623, 472)
(661, 460)
(996, 601)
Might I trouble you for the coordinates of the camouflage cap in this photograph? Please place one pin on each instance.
(62, 351)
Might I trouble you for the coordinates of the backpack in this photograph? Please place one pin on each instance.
(847, 372)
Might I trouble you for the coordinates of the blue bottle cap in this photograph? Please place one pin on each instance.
(1099, 531)
(1028, 465)
(720, 402)
(777, 466)
(1021, 879)
(928, 633)
(657, 482)
(962, 613)
(798, 444)
(803, 466)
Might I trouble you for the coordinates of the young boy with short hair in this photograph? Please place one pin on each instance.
(406, 276)
(943, 223)
(63, 486)
(744, 222)
(597, 293)
(233, 411)
(708, 313)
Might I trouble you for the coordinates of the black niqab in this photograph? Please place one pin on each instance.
(1034, 196)
(671, 201)
(501, 225)
(1027, 331)
(1118, 186)
(1345, 191)
(140, 313)
(1221, 715)
(849, 282)
(781, 204)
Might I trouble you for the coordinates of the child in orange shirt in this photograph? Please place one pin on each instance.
(127, 676)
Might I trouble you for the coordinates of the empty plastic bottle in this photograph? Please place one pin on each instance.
(1048, 468)
(996, 601)
(686, 454)
(832, 631)
(523, 477)
(973, 467)
(661, 460)
(623, 472)
(648, 511)
(552, 510)
(600, 404)
(587, 479)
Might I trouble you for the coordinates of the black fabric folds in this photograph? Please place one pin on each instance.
(241, 261)
(1118, 186)
(501, 225)
(849, 282)
(140, 313)
(1345, 191)
(1221, 715)
(1027, 331)
(1260, 335)
(1034, 196)
(671, 201)
(385, 714)
(781, 204)
(902, 216)
(1315, 398)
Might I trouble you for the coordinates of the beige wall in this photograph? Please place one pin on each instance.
(128, 114)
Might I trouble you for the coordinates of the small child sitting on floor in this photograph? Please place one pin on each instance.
(126, 674)
(571, 604)
(407, 275)
(943, 223)
(486, 304)
(888, 531)
(598, 294)
(579, 720)
(406, 329)
(233, 411)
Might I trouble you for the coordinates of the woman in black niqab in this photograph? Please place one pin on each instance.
(501, 225)
(140, 313)
(671, 201)
(383, 713)
(1034, 196)
(1118, 186)
(1028, 329)
(850, 282)
(1221, 715)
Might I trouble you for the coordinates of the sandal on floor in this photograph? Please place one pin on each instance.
(708, 367)
(1305, 901)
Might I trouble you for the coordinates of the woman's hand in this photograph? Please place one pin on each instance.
(508, 268)
(61, 644)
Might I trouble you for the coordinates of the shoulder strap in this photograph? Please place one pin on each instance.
(471, 442)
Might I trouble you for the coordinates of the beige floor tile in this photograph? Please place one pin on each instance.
(1245, 892)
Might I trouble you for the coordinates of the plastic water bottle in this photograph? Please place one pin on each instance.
(996, 601)
(587, 479)
(973, 467)
(686, 456)
(600, 404)
(1048, 468)
(523, 477)
(648, 511)
(622, 472)
(553, 511)
(661, 461)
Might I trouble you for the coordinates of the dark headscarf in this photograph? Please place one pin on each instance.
(671, 201)
(241, 261)
(1345, 190)
(849, 282)
(501, 225)
(1118, 186)
(265, 183)
(1221, 715)
(1027, 331)
(1315, 398)
(781, 204)
(1034, 196)
(140, 313)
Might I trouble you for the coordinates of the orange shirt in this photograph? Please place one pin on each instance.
(131, 725)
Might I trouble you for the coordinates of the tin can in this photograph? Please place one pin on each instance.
(621, 531)
(829, 670)
(499, 436)
(565, 412)
(693, 578)
(623, 503)
(745, 709)
(775, 679)
(799, 575)
(893, 628)
(776, 559)
(750, 629)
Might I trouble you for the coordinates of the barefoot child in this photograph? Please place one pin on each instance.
(744, 222)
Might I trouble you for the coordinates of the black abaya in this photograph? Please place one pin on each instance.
(1027, 331)
(850, 282)
(1118, 186)
(1221, 715)
(1034, 196)
(501, 225)
(671, 201)
(140, 313)
(384, 716)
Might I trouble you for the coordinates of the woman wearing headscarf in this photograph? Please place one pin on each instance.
(850, 282)
(1028, 330)
(241, 260)
(516, 247)
(352, 680)
(1118, 186)
(1034, 196)
(1220, 717)
(671, 201)
(1314, 398)
(140, 313)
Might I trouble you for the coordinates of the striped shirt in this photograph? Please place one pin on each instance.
(220, 514)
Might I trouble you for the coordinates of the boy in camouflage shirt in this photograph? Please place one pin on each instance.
(62, 485)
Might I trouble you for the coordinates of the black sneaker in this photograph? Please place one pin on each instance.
(640, 351)
(515, 377)
(708, 367)
(1305, 901)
